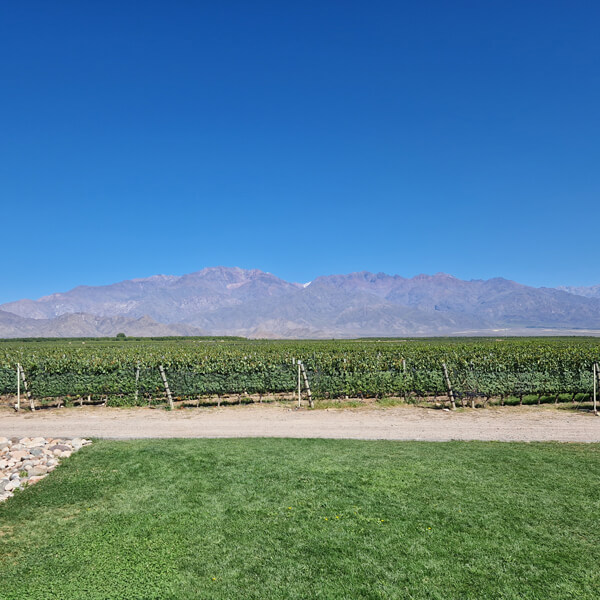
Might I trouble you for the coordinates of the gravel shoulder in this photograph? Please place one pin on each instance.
(543, 423)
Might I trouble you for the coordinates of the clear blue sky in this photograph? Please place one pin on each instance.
(299, 138)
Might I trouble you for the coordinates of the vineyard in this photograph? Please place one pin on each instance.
(126, 372)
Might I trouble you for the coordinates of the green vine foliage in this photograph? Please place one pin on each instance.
(126, 372)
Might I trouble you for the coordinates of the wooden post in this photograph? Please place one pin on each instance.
(596, 377)
(26, 387)
(307, 386)
(449, 386)
(299, 387)
(18, 407)
(166, 384)
(137, 381)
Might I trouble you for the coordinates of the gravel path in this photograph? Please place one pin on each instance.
(543, 423)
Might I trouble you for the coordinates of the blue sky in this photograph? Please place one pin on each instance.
(298, 138)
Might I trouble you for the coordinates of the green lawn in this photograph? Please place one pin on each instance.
(259, 518)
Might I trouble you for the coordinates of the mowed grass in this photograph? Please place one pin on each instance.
(274, 518)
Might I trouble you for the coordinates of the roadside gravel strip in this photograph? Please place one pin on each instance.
(544, 423)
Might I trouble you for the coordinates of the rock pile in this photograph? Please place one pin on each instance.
(24, 461)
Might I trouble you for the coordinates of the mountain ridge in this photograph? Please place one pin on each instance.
(250, 302)
(590, 291)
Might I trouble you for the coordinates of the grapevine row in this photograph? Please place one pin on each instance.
(370, 368)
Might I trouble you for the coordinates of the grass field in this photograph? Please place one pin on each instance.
(308, 519)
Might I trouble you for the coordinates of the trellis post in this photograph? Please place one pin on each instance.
(26, 387)
(449, 386)
(137, 381)
(166, 384)
(299, 386)
(18, 407)
(596, 377)
(404, 378)
(307, 385)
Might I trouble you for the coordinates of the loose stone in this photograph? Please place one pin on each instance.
(27, 460)
(19, 455)
(12, 485)
(38, 470)
(61, 447)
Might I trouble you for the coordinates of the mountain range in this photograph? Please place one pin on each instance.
(234, 301)
(592, 291)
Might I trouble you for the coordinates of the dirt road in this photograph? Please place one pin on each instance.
(398, 423)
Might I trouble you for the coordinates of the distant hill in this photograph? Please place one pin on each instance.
(233, 301)
(592, 291)
(84, 325)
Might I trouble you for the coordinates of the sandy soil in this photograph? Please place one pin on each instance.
(398, 423)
